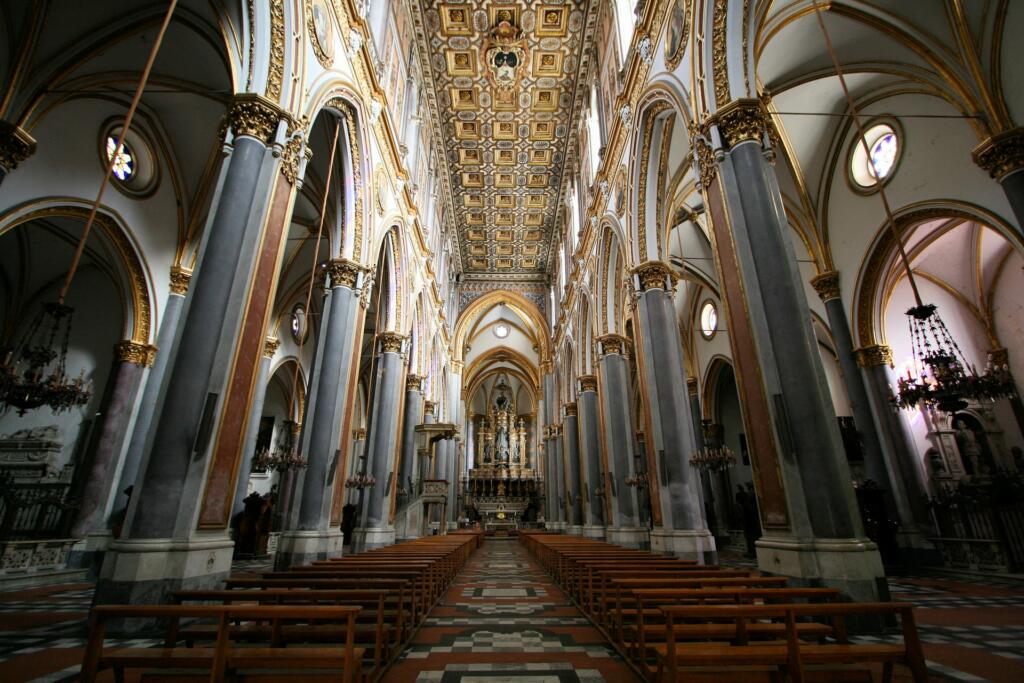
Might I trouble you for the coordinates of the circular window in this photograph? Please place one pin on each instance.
(708, 320)
(135, 169)
(878, 160)
(299, 324)
(501, 330)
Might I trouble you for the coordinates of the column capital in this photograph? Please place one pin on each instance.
(457, 366)
(391, 342)
(874, 355)
(741, 120)
(133, 352)
(588, 382)
(547, 366)
(344, 272)
(1001, 154)
(656, 275)
(359, 434)
(254, 115)
(556, 430)
(826, 285)
(570, 409)
(270, 345)
(16, 145)
(180, 279)
(428, 407)
(613, 343)
(691, 386)
(413, 383)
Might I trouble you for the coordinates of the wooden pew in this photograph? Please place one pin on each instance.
(224, 659)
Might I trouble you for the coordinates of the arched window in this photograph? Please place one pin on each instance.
(593, 134)
(624, 18)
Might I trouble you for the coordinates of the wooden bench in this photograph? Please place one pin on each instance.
(797, 658)
(224, 659)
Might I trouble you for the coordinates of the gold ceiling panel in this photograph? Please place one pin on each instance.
(504, 81)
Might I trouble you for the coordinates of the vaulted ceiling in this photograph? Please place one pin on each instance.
(504, 82)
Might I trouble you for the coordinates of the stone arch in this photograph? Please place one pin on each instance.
(519, 304)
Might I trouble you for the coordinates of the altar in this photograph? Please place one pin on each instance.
(502, 490)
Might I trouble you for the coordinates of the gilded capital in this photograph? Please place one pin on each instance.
(457, 367)
(826, 285)
(413, 383)
(343, 272)
(180, 278)
(613, 343)
(254, 115)
(741, 120)
(873, 356)
(16, 145)
(588, 383)
(270, 345)
(1002, 153)
(570, 409)
(359, 433)
(656, 275)
(390, 342)
(703, 156)
(547, 366)
(428, 407)
(135, 353)
(556, 430)
(691, 386)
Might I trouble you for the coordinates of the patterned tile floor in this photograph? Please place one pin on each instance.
(504, 621)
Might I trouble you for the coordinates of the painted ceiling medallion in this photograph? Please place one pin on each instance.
(318, 19)
(504, 53)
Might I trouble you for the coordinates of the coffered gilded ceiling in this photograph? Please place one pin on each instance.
(504, 80)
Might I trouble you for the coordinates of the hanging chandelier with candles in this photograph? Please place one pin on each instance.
(285, 456)
(35, 374)
(715, 456)
(944, 378)
(361, 481)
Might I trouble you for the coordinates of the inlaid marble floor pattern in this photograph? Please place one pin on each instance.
(504, 621)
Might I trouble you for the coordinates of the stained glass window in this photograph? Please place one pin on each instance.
(708, 320)
(875, 160)
(124, 165)
(501, 331)
(883, 155)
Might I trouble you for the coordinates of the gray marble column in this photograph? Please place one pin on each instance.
(313, 538)
(452, 472)
(382, 440)
(574, 477)
(413, 417)
(97, 496)
(168, 330)
(780, 372)
(683, 530)
(252, 431)
(624, 527)
(1002, 156)
(161, 546)
(558, 467)
(590, 456)
(880, 463)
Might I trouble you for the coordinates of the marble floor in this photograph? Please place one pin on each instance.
(504, 621)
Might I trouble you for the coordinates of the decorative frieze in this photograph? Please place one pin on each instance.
(135, 353)
(656, 275)
(873, 356)
(270, 345)
(16, 145)
(826, 285)
(255, 116)
(588, 383)
(180, 277)
(1001, 154)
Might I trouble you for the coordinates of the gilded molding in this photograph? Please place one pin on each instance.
(570, 409)
(741, 120)
(656, 275)
(719, 55)
(180, 278)
(344, 272)
(703, 157)
(873, 356)
(613, 343)
(413, 383)
(391, 342)
(291, 158)
(645, 162)
(135, 353)
(672, 60)
(826, 285)
(547, 366)
(16, 145)
(457, 367)
(344, 107)
(275, 71)
(588, 383)
(1001, 154)
(255, 116)
(270, 345)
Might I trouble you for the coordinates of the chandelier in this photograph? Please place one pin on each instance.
(36, 374)
(285, 457)
(945, 380)
(713, 459)
(360, 482)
